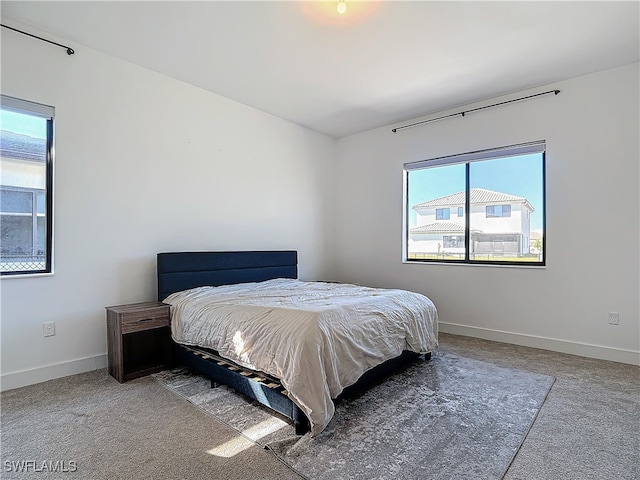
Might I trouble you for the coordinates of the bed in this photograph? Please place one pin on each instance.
(245, 320)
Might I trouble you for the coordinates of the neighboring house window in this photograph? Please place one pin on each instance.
(26, 187)
(499, 195)
(499, 211)
(442, 214)
(453, 241)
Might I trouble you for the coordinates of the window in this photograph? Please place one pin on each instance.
(499, 195)
(26, 187)
(499, 211)
(453, 241)
(442, 214)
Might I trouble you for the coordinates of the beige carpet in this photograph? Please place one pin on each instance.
(588, 428)
(138, 430)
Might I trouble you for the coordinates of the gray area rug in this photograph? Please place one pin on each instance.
(448, 418)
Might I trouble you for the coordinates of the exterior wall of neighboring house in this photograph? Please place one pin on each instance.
(22, 173)
(507, 235)
(22, 204)
(435, 243)
(515, 223)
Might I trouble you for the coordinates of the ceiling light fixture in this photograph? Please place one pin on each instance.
(342, 7)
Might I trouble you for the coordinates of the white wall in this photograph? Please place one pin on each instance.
(593, 209)
(147, 164)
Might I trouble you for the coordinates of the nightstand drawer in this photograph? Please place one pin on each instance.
(145, 320)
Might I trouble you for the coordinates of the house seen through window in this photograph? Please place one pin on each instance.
(26, 183)
(503, 192)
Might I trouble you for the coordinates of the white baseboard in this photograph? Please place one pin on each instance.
(564, 346)
(9, 381)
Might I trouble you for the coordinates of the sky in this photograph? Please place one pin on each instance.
(24, 124)
(521, 176)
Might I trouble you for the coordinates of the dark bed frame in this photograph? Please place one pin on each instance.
(179, 271)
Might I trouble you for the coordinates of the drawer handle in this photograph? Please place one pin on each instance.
(142, 320)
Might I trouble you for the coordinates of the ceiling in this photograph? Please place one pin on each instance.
(380, 63)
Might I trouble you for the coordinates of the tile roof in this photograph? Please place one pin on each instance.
(22, 147)
(478, 195)
(439, 227)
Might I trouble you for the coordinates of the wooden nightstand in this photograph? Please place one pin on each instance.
(139, 339)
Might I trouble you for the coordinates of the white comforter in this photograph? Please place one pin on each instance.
(317, 338)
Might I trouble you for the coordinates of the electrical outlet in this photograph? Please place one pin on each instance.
(614, 318)
(49, 329)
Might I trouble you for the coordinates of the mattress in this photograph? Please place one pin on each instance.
(317, 338)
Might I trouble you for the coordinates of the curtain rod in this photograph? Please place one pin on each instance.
(69, 49)
(394, 130)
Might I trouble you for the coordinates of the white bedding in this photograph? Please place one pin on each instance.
(317, 338)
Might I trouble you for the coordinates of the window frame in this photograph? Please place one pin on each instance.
(516, 150)
(46, 112)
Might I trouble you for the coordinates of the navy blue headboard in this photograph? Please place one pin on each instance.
(184, 270)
